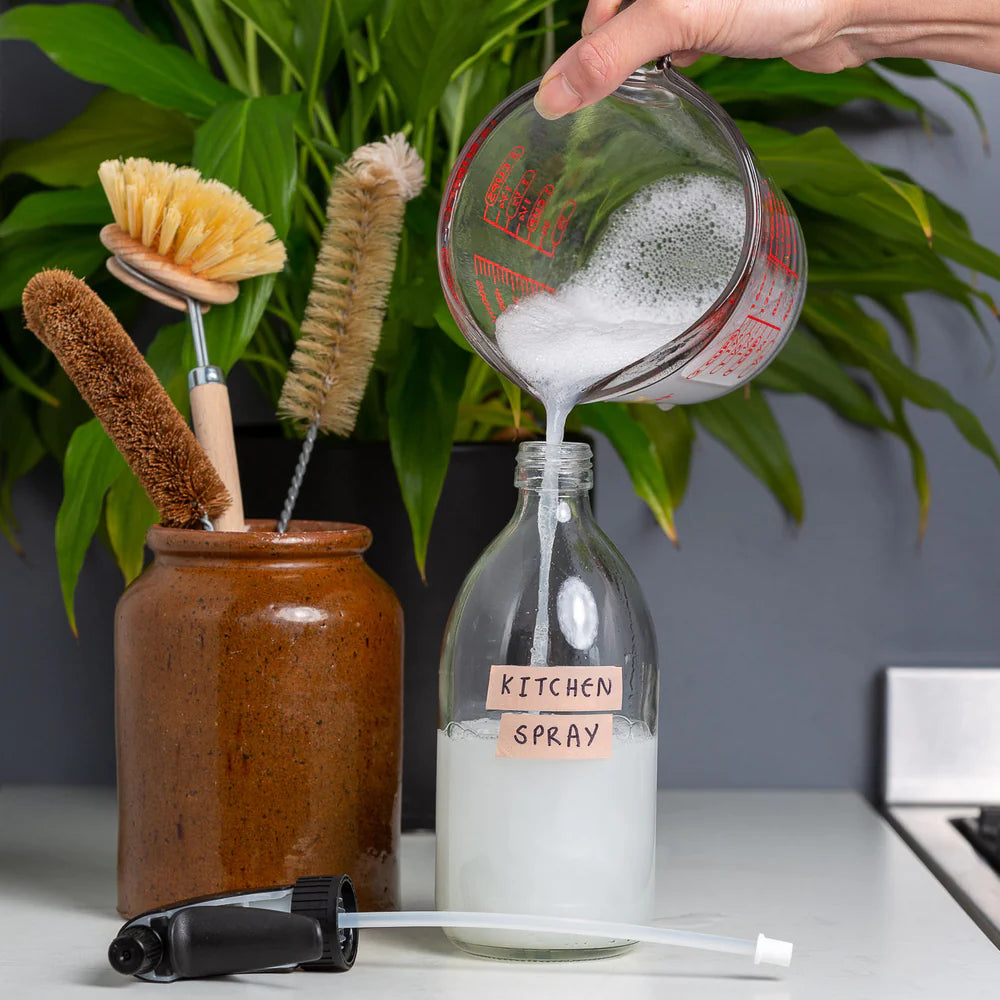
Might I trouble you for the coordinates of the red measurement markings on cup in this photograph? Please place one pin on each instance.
(514, 207)
(750, 346)
(499, 286)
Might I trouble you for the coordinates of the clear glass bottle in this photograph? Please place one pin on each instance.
(546, 780)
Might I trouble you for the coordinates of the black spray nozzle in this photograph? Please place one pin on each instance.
(248, 931)
(217, 941)
(136, 950)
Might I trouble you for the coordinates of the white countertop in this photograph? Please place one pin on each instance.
(821, 869)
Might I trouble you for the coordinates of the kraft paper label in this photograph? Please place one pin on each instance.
(557, 737)
(555, 689)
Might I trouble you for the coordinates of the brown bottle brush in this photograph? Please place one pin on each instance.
(343, 319)
(119, 386)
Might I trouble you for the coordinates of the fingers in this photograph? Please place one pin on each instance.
(685, 58)
(598, 12)
(601, 60)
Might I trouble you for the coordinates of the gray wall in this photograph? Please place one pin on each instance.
(771, 638)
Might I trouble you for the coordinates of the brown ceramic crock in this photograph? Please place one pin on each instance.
(259, 715)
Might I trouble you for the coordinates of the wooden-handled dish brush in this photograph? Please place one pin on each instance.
(343, 319)
(186, 242)
(125, 395)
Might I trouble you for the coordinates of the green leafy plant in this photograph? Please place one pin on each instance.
(268, 95)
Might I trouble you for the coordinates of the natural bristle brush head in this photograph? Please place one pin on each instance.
(185, 231)
(126, 396)
(343, 319)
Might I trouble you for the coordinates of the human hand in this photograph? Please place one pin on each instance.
(811, 34)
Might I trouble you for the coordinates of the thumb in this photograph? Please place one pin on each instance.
(600, 61)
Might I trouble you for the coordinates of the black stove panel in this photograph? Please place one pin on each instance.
(983, 832)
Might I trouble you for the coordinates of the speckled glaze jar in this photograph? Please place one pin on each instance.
(259, 715)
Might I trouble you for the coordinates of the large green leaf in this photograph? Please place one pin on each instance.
(218, 31)
(469, 98)
(863, 341)
(97, 44)
(424, 390)
(923, 69)
(274, 20)
(92, 464)
(55, 425)
(128, 513)
(446, 323)
(818, 169)
(672, 436)
(865, 328)
(512, 393)
(306, 34)
(83, 207)
(845, 257)
(429, 41)
(228, 147)
(21, 380)
(918, 462)
(25, 254)
(636, 449)
(743, 422)
(171, 356)
(895, 275)
(112, 125)
(804, 365)
(741, 80)
(20, 451)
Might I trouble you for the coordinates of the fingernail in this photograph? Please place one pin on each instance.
(556, 97)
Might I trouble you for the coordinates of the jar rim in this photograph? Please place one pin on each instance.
(303, 538)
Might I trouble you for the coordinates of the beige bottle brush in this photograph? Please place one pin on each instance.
(186, 242)
(127, 398)
(343, 319)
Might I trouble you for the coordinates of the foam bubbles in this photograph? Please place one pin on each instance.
(664, 258)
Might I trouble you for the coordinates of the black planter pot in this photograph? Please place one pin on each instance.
(357, 482)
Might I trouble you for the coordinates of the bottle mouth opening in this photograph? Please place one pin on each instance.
(575, 461)
(575, 455)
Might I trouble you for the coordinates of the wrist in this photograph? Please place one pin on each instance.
(959, 31)
(869, 29)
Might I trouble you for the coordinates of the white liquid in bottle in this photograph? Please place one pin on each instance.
(570, 839)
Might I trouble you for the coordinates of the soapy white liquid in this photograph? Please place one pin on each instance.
(665, 257)
(551, 837)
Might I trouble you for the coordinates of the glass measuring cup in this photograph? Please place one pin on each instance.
(529, 201)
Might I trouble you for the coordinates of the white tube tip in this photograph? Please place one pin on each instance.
(772, 952)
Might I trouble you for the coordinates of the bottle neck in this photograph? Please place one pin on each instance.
(570, 507)
(562, 475)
